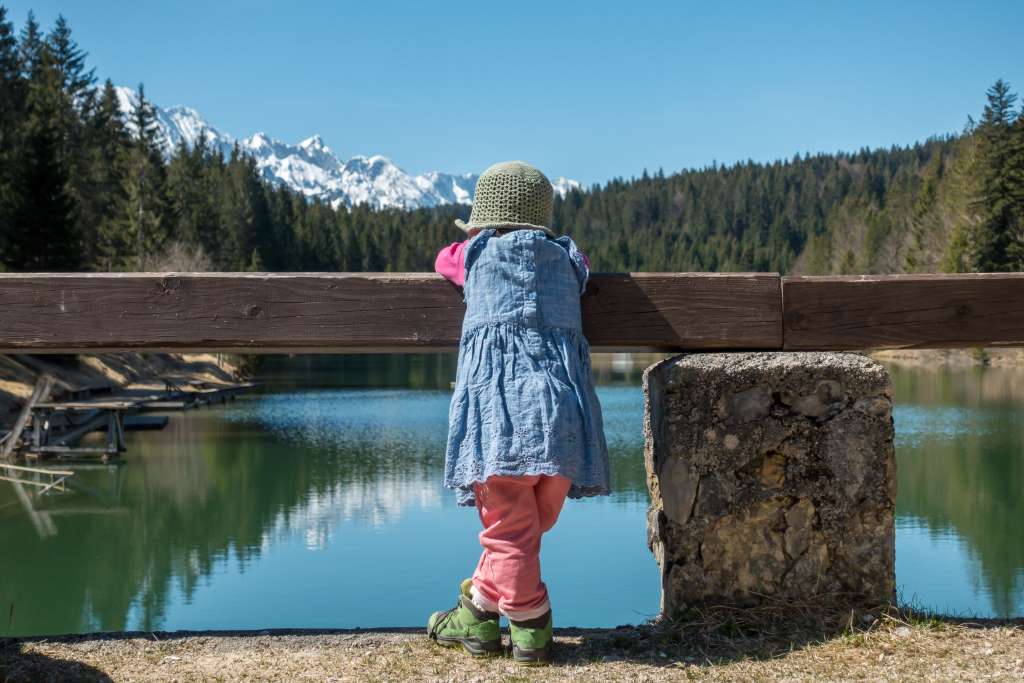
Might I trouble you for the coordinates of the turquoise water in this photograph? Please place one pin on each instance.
(960, 507)
(317, 502)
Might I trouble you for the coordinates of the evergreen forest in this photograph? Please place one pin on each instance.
(82, 191)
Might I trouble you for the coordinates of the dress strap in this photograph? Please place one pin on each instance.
(473, 250)
(475, 246)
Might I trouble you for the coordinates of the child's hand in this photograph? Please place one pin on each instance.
(450, 263)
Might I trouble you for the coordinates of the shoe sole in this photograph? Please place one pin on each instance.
(539, 657)
(474, 647)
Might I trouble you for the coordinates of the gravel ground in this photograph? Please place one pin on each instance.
(883, 649)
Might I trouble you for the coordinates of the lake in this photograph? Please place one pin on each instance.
(316, 502)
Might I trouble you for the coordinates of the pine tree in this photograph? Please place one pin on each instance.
(236, 214)
(76, 86)
(42, 235)
(1015, 180)
(192, 179)
(101, 209)
(11, 82)
(920, 222)
(284, 209)
(998, 200)
(30, 46)
(70, 60)
(75, 108)
(142, 217)
(11, 105)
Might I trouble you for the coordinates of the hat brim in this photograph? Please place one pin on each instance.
(462, 225)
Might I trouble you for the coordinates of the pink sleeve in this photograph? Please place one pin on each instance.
(585, 259)
(451, 262)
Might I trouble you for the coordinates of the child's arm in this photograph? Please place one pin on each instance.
(451, 262)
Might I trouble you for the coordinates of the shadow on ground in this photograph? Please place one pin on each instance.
(17, 666)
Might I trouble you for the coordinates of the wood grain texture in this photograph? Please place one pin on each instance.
(346, 312)
(903, 311)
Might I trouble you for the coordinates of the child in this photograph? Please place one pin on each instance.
(524, 426)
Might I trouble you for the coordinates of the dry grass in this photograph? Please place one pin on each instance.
(719, 644)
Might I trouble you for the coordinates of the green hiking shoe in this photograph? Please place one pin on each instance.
(531, 640)
(466, 625)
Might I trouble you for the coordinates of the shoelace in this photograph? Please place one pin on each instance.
(443, 619)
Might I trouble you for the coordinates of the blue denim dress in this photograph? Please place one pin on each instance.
(524, 400)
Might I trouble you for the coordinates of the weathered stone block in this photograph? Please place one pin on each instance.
(771, 474)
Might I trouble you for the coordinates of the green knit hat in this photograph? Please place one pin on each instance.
(511, 194)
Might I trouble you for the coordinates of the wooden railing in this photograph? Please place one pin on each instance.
(368, 312)
(903, 311)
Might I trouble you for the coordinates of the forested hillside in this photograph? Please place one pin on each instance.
(79, 192)
(949, 204)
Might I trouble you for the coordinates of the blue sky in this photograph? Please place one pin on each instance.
(589, 90)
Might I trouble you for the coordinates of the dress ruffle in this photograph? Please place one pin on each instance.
(525, 404)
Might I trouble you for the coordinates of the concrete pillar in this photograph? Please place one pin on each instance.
(770, 474)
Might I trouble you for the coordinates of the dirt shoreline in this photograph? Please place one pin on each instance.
(943, 359)
(888, 649)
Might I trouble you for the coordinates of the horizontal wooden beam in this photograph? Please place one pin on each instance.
(366, 312)
(903, 311)
(374, 312)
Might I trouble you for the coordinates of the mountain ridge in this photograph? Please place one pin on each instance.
(312, 168)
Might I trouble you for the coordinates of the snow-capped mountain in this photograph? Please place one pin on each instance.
(174, 124)
(312, 168)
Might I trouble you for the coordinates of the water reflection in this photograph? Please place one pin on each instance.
(960, 450)
(189, 496)
(325, 482)
(383, 447)
(289, 508)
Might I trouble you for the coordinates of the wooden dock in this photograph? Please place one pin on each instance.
(52, 429)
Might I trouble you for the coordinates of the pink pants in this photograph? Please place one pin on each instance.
(515, 512)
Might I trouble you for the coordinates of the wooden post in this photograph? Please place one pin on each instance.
(41, 391)
(112, 436)
(38, 439)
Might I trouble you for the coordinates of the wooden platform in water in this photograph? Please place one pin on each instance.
(178, 399)
(51, 429)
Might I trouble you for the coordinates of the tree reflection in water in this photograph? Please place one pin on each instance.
(960, 451)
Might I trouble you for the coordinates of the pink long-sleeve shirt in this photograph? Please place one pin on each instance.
(451, 262)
